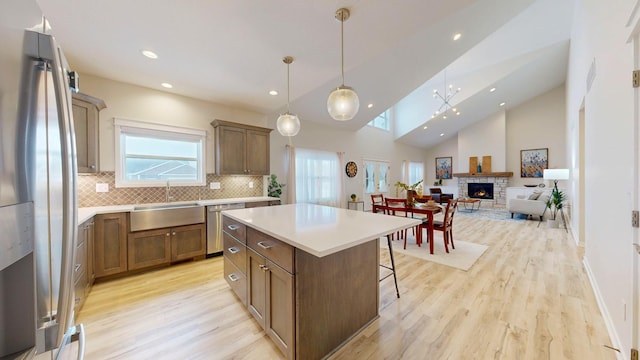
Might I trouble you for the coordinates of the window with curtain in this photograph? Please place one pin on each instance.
(152, 154)
(414, 171)
(317, 177)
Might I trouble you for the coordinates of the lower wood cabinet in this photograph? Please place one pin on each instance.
(162, 246)
(149, 248)
(270, 298)
(188, 242)
(110, 248)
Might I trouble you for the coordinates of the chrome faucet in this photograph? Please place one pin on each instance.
(168, 192)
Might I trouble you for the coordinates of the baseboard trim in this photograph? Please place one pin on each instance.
(608, 322)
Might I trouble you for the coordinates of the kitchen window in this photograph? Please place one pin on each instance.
(157, 155)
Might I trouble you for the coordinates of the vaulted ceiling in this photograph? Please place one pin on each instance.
(396, 53)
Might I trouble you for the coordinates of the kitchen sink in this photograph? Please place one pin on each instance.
(164, 206)
(157, 216)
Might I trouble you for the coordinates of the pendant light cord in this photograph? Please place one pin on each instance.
(342, 46)
(288, 110)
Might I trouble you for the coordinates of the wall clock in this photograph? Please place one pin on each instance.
(351, 168)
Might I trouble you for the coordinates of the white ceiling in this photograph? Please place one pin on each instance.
(230, 52)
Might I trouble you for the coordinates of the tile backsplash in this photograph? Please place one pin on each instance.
(230, 187)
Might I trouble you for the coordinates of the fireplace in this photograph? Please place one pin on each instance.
(480, 190)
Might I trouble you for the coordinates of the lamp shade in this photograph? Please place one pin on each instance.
(343, 103)
(288, 124)
(556, 174)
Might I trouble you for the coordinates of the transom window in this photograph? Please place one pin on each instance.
(154, 155)
(381, 121)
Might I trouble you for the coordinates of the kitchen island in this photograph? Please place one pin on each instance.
(309, 274)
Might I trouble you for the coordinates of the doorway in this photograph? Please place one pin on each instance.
(376, 180)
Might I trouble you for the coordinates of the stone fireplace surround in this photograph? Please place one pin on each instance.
(499, 180)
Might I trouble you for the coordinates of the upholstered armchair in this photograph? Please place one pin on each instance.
(439, 197)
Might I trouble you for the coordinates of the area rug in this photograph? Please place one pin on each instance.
(462, 257)
(491, 213)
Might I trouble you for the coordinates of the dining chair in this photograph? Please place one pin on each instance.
(401, 204)
(377, 199)
(446, 225)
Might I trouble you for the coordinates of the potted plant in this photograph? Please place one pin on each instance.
(410, 189)
(275, 188)
(554, 204)
(354, 197)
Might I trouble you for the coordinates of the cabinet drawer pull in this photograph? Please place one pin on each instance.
(168, 234)
(78, 266)
(263, 267)
(78, 300)
(174, 233)
(233, 250)
(233, 277)
(233, 227)
(262, 245)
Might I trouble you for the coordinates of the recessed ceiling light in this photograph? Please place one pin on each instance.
(442, 134)
(492, 89)
(502, 103)
(166, 85)
(150, 54)
(273, 92)
(425, 127)
(457, 36)
(370, 106)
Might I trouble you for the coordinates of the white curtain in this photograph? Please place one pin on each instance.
(318, 177)
(291, 174)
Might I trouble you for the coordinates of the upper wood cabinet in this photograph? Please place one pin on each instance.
(241, 149)
(85, 123)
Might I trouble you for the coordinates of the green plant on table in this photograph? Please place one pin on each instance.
(405, 187)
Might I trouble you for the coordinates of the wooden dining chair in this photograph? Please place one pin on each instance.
(446, 225)
(377, 199)
(401, 204)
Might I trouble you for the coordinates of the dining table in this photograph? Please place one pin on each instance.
(410, 210)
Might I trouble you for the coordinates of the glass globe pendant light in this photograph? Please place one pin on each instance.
(288, 124)
(343, 102)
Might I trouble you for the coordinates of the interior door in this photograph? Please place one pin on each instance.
(376, 180)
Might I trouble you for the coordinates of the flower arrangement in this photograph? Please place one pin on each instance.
(400, 185)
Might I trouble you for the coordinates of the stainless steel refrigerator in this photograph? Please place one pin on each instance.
(38, 195)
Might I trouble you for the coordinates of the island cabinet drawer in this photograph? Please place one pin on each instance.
(273, 249)
(236, 279)
(234, 228)
(235, 251)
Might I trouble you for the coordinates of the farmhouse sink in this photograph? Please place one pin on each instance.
(157, 216)
(164, 206)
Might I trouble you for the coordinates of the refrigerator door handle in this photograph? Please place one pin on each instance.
(69, 192)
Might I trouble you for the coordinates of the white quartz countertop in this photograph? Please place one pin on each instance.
(87, 213)
(320, 230)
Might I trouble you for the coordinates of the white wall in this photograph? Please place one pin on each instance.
(600, 35)
(538, 123)
(138, 103)
(484, 138)
(448, 148)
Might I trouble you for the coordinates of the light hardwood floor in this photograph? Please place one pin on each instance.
(527, 297)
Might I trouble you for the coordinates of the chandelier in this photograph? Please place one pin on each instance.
(449, 93)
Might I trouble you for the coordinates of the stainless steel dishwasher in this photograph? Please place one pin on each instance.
(214, 227)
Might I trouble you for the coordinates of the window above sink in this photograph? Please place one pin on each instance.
(155, 155)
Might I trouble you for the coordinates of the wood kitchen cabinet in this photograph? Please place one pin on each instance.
(241, 149)
(163, 246)
(110, 244)
(85, 122)
(149, 248)
(83, 272)
(253, 204)
(270, 289)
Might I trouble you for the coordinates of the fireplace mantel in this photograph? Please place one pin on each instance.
(490, 174)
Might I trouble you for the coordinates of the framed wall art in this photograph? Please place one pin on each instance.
(444, 167)
(533, 162)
